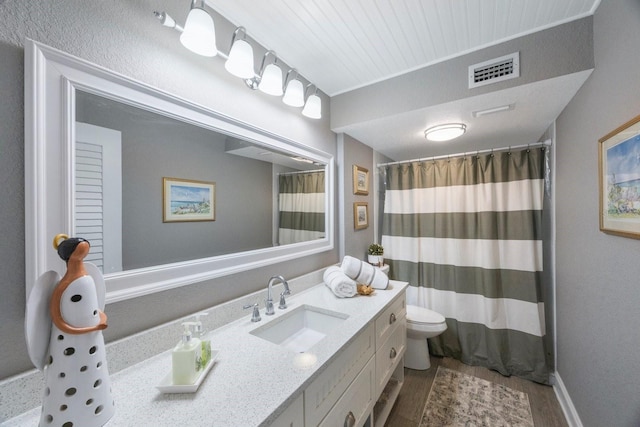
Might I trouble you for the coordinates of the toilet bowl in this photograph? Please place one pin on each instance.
(422, 323)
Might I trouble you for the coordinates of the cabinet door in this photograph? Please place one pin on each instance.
(355, 405)
(390, 354)
(326, 389)
(293, 416)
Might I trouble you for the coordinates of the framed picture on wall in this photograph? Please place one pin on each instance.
(360, 215)
(360, 180)
(188, 200)
(619, 170)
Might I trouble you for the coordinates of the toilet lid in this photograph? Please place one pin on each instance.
(416, 314)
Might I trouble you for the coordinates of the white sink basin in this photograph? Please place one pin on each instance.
(301, 328)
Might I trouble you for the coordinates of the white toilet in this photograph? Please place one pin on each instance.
(422, 323)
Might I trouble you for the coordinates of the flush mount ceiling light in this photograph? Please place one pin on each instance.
(445, 132)
(199, 34)
(240, 60)
(294, 91)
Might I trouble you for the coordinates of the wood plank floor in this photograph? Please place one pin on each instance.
(408, 408)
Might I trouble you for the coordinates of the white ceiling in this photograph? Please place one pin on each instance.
(341, 45)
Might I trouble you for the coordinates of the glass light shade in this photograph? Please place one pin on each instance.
(199, 35)
(313, 107)
(271, 81)
(294, 94)
(240, 61)
(445, 132)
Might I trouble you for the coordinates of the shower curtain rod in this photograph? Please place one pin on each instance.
(490, 150)
(297, 172)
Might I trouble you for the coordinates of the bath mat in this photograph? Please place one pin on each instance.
(458, 399)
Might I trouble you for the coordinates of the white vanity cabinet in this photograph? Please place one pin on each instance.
(369, 369)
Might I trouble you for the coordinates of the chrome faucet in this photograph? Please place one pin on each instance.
(255, 316)
(269, 301)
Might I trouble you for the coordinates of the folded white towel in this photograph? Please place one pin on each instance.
(341, 285)
(365, 273)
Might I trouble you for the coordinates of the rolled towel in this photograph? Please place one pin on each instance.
(341, 285)
(363, 272)
(380, 279)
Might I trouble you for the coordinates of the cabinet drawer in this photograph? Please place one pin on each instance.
(386, 320)
(293, 416)
(324, 391)
(356, 403)
(390, 354)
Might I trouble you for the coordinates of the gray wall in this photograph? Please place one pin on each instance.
(598, 275)
(356, 153)
(127, 38)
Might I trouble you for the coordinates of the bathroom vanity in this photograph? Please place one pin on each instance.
(255, 380)
(351, 376)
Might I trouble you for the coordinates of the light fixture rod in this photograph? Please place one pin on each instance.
(167, 20)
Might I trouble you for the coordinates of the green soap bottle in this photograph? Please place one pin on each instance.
(186, 358)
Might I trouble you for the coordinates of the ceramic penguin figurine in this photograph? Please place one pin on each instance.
(64, 322)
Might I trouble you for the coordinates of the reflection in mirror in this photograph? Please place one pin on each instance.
(124, 152)
(77, 114)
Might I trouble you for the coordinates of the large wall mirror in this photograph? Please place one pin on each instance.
(167, 192)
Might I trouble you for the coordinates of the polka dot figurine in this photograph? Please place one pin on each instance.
(64, 320)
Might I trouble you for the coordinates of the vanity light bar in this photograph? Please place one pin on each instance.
(198, 35)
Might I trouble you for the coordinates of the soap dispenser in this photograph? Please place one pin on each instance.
(187, 358)
(198, 332)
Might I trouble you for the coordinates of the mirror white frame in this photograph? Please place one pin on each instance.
(51, 79)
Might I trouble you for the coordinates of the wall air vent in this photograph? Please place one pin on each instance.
(494, 70)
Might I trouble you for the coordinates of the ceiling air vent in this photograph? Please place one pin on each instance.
(495, 70)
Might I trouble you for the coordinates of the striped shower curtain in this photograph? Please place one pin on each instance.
(466, 233)
(301, 206)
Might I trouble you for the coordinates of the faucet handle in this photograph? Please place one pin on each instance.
(255, 316)
(283, 302)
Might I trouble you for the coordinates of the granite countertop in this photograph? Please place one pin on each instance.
(252, 380)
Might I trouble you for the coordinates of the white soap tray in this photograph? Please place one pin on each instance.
(167, 386)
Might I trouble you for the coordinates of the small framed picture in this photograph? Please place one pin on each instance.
(188, 200)
(619, 170)
(360, 180)
(360, 215)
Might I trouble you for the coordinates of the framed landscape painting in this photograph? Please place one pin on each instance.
(360, 215)
(188, 200)
(619, 170)
(360, 180)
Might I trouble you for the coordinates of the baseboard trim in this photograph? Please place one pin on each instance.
(566, 404)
